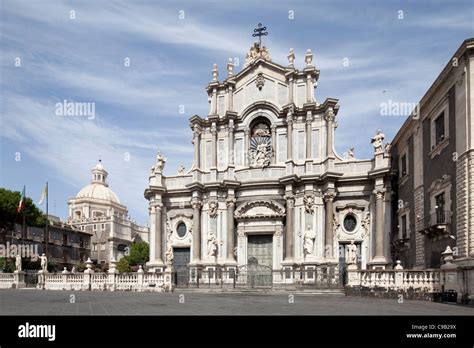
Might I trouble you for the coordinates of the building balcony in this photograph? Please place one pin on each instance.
(437, 224)
(401, 244)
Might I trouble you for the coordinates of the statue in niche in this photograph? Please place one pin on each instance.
(260, 146)
(352, 253)
(308, 240)
(211, 245)
(169, 256)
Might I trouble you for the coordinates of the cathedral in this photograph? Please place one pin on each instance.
(267, 186)
(97, 210)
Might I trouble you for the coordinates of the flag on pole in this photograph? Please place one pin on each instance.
(21, 205)
(44, 194)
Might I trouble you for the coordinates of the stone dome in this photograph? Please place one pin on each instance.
(98, 191)
(98, 188)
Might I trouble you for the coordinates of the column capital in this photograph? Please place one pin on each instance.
(309, 117)
(290, 199)
(379, 192)
(329, 196)
(329, 115)
(230, 202)
(197, 204)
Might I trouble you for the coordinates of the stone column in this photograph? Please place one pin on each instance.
(246, 147)
(197, 147)
(196, 231)
(231, 142)
(273, 144)
(230, 228)
(158, 232)
(214, 145)
(289, 136)
(379, 230)
(329, 225)
(289, 240)
(309, 122)
(329, 116)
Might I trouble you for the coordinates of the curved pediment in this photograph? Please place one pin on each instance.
(259, 209)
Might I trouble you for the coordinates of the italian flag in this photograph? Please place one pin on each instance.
(21, 205)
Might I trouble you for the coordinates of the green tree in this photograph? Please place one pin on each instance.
(139, 253)
(9, 201)
(123, 265)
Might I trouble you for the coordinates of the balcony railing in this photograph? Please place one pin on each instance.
(438, 222)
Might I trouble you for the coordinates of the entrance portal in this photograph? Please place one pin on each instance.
(181, 258)
(344, 259)
(260, 250)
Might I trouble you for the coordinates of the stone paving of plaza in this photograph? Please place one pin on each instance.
(37, 302)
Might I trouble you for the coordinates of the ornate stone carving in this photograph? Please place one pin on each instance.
(230, 202)
(309, 203)
(329, 115)
(260, 81)
(366, 222)
(260, 150)
(274, 210)
(212, 209)
(379, 193)
(211, 245)
(196, 204)
(181, 169)
(336, 223)
(256, 52)
(377, 141)
(329, 196)
(290, 200)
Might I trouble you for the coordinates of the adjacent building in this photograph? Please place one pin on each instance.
(97, 210)
(267, 186)
(433, 166)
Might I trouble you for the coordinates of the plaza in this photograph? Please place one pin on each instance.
(185, 302)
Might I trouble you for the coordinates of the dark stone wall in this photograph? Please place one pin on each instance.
(434, 169)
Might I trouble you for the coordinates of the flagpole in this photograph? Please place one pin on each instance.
(23, 215)
(47, 221)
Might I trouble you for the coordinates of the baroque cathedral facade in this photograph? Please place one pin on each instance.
(267, 186)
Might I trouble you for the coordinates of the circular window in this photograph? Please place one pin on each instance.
(181, 229)
(350, 223)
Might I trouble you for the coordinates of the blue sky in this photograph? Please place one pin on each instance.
(137, 107)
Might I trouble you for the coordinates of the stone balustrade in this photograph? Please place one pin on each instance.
(139, 281)
(7, 280)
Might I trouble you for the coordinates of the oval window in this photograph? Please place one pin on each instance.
(181, 229)
(350, 223)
